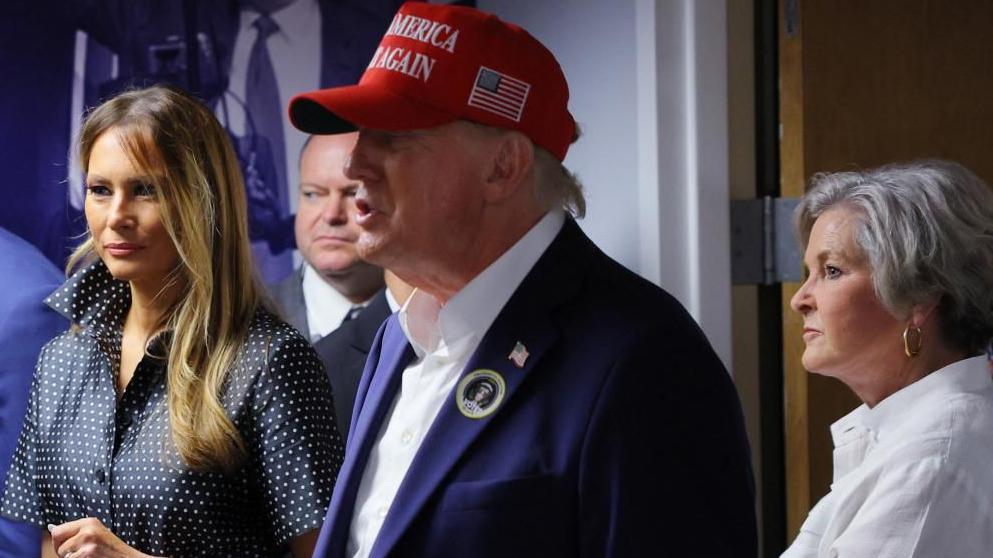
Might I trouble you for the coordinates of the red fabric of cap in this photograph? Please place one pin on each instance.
(440, 63)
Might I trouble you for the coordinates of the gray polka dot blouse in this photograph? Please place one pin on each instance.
(84, 453)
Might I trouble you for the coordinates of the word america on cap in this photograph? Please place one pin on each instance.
(414, 64)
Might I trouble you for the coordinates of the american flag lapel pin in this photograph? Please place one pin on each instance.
(519, 355)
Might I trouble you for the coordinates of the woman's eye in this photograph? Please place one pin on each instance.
(98, 190)
(831, 272)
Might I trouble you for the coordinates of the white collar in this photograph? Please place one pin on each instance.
(967, 375)
(326, 307)
(473, 309)
(391, 301)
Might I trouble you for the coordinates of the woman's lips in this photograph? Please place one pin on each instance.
(122, 249)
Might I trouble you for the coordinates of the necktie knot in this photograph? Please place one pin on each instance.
(265, 25)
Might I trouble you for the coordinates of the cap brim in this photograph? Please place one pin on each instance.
(345, 109)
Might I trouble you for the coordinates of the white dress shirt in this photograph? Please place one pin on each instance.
(913, 476)
(392, 302)
(295, 51)
(326, 307)
(443, 338)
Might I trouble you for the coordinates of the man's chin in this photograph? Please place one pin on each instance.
(335, 266)
(370, 246)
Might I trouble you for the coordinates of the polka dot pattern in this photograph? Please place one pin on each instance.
(84, 453)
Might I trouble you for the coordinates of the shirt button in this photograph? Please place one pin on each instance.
(382, 511)
(126, 421)
(406, 437)
(100, 475)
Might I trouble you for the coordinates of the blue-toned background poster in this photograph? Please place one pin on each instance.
(244, 58)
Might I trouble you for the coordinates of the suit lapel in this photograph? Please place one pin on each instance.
(382, 387)
(355, 349)
(296, 308)
(358, 335)
(527, 318)
(368, 322)
(375, 395)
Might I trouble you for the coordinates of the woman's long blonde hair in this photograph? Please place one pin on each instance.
(175, 139)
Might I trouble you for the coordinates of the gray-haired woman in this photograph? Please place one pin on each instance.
(898, 305)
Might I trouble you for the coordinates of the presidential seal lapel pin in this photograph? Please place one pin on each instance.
(479, 393)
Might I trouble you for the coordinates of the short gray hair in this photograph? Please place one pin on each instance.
(926, 229)
(557, 186)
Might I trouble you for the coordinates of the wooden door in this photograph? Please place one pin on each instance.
(862, 83)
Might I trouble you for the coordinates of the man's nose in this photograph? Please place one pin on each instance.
(360, 164)
(335, 211)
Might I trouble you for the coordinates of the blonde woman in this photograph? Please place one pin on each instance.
(177, 416)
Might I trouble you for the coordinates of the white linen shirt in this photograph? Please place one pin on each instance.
(443, 338)
(913, 476)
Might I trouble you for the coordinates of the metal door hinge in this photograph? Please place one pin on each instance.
(764, 250)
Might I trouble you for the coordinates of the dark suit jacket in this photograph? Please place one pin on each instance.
(621, 435)
(288, 296)
(344, 351)
(26, 324)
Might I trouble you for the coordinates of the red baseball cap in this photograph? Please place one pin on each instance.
(440, 63)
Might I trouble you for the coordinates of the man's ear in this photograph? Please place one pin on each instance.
(510, 167)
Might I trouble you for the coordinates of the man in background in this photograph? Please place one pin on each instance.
(607, 425)
(333, 284)
(333, 287)
(344, 350)
(26, 278)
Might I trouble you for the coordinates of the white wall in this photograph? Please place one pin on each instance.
(649, 88)
(593, 41)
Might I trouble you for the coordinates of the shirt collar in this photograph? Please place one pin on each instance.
(93, 299)
(967, 375)
(391, 301)
(473, 309)
(326, 307)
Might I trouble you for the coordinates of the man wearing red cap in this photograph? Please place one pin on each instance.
(608, 427)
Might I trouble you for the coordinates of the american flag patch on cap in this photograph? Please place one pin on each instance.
(499, 93)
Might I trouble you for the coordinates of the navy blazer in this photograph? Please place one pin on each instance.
(26, 278)
(344, 351)
(622, 434)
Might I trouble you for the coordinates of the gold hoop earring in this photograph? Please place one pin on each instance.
(913, 340)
